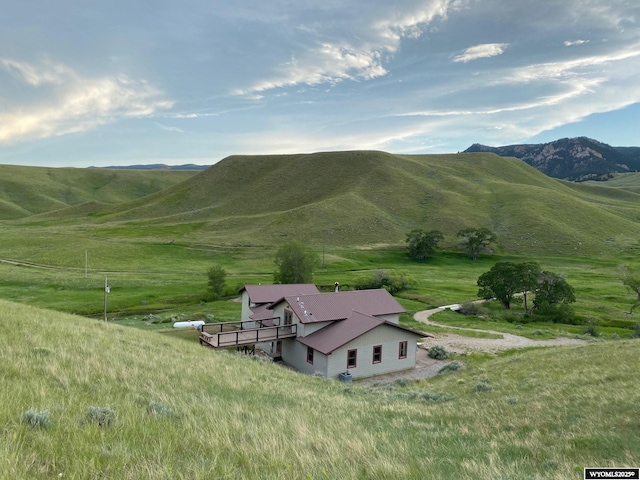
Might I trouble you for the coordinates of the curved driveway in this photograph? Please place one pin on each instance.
(460, 344)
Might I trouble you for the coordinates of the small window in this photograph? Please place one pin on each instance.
(288, 317)
(352, 358)
(310, 355)
(402, 350)
(377, 354)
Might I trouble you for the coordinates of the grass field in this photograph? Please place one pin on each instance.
(172, 409)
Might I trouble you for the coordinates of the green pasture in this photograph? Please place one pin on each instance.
(148, 276)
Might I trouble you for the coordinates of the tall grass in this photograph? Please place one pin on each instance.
(549, 413)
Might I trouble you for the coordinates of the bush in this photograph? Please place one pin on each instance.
(482, 385)
(103, 416)
(454, 366)
(36, 419)
(392, 282)
(159, 409)
(425, 396)
(469, 309)
(592, 330)
(438, 352)
(562, 313)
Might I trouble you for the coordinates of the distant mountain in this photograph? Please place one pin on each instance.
(157, 166)
(576, 159)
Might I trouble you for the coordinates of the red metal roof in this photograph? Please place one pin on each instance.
(334, 336)
(324, 307)
(260, 294)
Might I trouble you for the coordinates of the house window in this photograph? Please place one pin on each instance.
(402, 350)
(288, 317)
(377, 354)
(310, 355)
(352, 357)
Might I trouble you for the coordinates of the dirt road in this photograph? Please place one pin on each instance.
(460, 344)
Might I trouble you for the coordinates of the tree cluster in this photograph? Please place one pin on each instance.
(507, 279)
(422, 245)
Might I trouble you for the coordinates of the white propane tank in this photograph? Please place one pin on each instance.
(197, 324)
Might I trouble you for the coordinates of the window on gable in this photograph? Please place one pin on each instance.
(288, 317)
(310, 355)
(377, 354)
(402, 350)
(352, 358)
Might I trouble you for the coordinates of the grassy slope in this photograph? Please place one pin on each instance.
(26, 191)
(549, 412)
(365, 198)
(626, 181)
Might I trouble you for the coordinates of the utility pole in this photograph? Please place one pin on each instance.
(106, 291)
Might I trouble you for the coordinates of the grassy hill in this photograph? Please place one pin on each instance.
(365, 198)
(26, 191)
(625, 181)
(172, 409)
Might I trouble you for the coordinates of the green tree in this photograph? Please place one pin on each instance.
(552, 290)
(423, 245)
(631, 280)
(475, 240)
(295, 263)
(217, 280)
(528, 273)
(502, 282)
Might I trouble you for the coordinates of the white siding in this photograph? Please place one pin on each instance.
(305, 329)
(295, 354)
(246, 312)
(384, 335)
(392, 318)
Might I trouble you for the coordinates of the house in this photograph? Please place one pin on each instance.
(352, 334)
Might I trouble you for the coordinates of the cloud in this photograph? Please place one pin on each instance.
(570, 43)
(67, 102)
(481, 51)
(356, 47)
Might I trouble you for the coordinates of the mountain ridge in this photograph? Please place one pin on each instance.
(575, 159)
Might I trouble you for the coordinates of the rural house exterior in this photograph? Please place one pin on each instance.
(352, 334)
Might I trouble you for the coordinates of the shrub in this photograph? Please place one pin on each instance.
(159, 409)
(454, 366)
(392, 282)
(36, 419)
(469, 309)
(482, 385)
(425, 396)
(592, 330)
(438, 352)
(103, 416)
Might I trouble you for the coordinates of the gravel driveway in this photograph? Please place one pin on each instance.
(427, 367)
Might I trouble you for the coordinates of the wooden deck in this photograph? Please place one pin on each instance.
(213, 334)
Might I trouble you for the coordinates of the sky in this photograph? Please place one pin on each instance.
(97, 83)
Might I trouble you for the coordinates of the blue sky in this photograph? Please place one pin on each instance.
(92, 83)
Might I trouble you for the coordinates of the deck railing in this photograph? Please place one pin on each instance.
(215, 335)
(213, 328)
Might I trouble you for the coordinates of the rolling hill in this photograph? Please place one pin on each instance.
(26, 191)
(364, 198)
